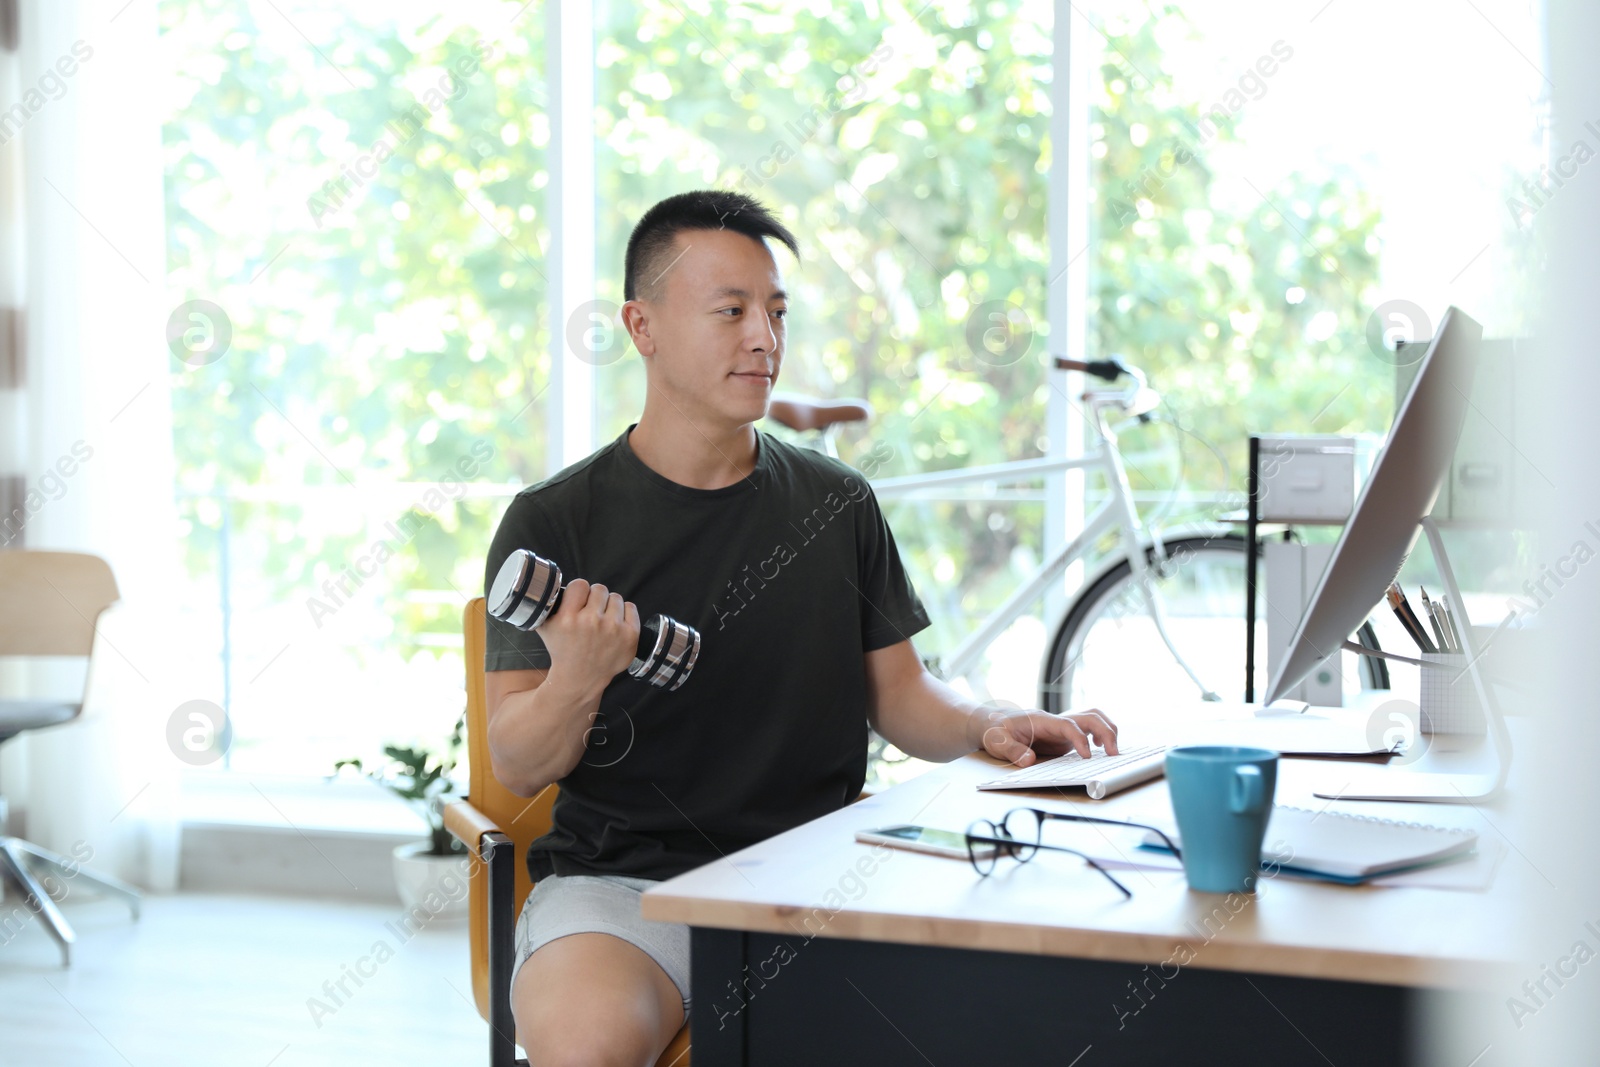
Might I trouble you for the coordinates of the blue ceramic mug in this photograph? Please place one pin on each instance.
(1222, 799)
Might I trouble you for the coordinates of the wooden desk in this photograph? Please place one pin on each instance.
(813, 948)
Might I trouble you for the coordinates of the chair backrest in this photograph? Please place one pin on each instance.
(50, 602)
(519, 818)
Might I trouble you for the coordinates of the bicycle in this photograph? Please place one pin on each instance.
(1101, 640)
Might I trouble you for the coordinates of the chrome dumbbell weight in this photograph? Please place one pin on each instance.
(528, 589)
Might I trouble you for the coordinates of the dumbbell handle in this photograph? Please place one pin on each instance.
(651, 631)
(528, 590)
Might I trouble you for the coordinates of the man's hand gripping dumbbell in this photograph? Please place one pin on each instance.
(587, 623)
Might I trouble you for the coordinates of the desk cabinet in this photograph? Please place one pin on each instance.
(768, 1000)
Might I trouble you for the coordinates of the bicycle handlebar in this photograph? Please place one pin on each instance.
(1108, 369)
(1136, 399)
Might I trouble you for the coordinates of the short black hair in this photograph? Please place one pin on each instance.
(701, 209)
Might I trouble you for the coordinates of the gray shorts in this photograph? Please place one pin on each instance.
(559, 905)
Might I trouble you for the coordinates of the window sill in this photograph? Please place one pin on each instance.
(292, 803)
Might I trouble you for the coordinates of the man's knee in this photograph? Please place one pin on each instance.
(555, 1039)
(572, 1050)
(592, 999)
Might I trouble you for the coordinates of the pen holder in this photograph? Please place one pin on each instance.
(1450, 703)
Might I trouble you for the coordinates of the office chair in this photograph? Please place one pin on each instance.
(50, 603)
(497, 826)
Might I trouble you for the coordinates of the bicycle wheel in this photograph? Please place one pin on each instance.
(1107, 651)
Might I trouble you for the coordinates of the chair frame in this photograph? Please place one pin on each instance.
(63, 623)
(497, 852)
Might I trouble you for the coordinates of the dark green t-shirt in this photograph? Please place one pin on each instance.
(790, 575)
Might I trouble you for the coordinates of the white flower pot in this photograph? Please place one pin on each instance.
(432, 888)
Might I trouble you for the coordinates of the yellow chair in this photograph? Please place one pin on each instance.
(497, 826)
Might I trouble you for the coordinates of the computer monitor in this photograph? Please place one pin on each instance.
(1400, 492)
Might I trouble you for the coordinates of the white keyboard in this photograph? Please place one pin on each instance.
(1100, 774)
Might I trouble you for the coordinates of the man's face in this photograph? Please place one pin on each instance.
(713, 329)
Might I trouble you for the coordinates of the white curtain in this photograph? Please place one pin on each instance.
(93, 386)
(11, 321)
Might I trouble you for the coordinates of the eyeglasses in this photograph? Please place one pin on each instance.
(1020, 835)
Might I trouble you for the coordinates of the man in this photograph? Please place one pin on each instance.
(781, 558)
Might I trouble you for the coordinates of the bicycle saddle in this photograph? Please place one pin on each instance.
(807, 413)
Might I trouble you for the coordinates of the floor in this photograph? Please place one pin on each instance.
(209, 979)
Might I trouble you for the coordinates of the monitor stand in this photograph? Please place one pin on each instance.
(1455, 770)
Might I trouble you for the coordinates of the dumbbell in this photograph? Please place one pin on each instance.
(528, 589)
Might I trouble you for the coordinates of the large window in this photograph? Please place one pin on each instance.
(359, 191)
(362, 190)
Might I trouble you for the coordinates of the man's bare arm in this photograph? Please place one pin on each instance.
(923, 717)
(536, 730)
(539, 720)
(916, 712)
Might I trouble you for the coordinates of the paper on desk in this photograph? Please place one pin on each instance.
(1475, 871)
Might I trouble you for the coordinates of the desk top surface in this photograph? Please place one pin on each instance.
(817, 880)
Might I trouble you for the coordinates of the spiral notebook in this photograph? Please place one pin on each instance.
(1344, 847)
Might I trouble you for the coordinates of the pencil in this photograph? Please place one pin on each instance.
(1408, 619)
(1450, 625)
(1450, 644)
(1431, 609)
(1405, 605)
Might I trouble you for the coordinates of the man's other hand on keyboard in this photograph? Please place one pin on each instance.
(1022, 736)
(923, 717)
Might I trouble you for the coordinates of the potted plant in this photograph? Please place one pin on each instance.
(430, 874)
